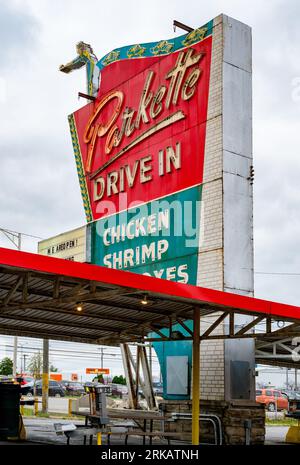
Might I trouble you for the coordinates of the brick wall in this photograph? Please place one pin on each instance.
(210, 258)
(232, 415)
(225, 259)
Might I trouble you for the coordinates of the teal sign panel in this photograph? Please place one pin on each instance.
(159, 239)
(163, 47)
(174, 348)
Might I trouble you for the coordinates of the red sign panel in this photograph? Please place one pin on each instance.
(144, 135)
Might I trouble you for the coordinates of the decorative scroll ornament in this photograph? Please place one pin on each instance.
(194, 36)
(162, 47)
(136, 51)
(111, 57)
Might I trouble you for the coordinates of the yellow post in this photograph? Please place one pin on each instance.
(45, 391)
(70, 408)
(196, 379)
(36, 406)
(99, 439)
(293, 435)
(45, 377)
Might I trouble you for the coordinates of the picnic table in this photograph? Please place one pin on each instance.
(141, 424)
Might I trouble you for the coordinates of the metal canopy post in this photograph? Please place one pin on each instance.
(196, 378)
(45, 378)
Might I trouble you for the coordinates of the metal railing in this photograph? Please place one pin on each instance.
(211, 418)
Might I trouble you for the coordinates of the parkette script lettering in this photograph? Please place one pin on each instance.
(181, 82)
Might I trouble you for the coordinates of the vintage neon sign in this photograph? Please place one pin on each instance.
(144, 135)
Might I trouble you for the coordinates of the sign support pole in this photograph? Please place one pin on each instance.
(196, 379)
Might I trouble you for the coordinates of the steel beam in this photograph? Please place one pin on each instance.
(196, 379)
(132, 399)
(214, 325)
(249, 326)
(185, 327)
(12, 291)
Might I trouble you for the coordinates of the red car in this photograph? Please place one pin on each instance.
(272, 398)
(24, 379)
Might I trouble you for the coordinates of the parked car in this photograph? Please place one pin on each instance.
(291, 395)
(118, 390)
(158, 388)
(123, 388)
(23, 380)
(73, 388)
(272, 398)
(55, 389)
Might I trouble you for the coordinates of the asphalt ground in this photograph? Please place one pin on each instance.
(41, 431)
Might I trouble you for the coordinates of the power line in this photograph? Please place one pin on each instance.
(276, 273)
(17, 232)
(65, 353)
(26, 348)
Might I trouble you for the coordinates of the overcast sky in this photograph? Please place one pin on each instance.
(39, 192)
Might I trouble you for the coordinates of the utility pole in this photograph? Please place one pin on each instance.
(102, 356)
(16, 239)
(24, 367)
(19, 245)
(150, 361)
(21, 360)
(15, 356)
(45, 386)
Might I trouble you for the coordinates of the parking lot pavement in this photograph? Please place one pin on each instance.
(55, 404)
(276, 435)
(41, 431)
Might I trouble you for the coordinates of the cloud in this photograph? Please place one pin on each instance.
(18, 35)
(39, 190)
(39, 187)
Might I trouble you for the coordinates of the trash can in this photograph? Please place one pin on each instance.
(9, 410)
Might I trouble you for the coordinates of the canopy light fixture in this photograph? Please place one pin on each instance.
(144, 300)
(79, 307)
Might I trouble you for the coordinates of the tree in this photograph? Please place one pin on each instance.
(119, 380)
(35, 365)
(53, 369)
(99, 379)
(6, 366)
